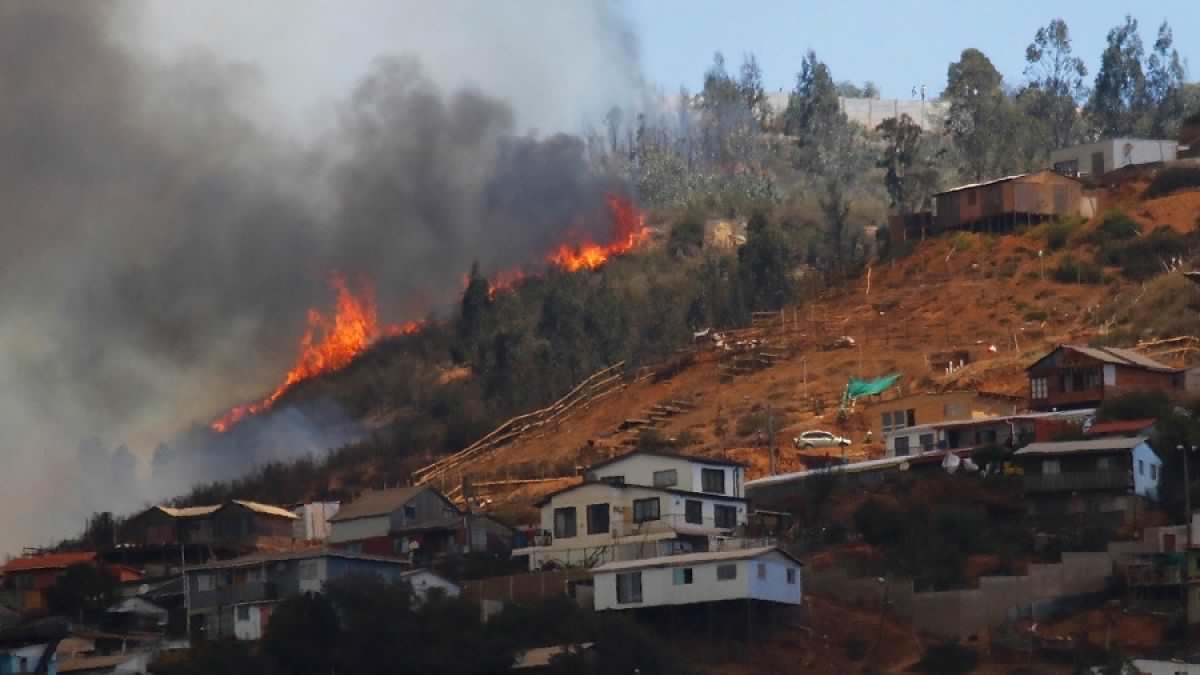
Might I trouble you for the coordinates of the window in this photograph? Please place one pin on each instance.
(712, 480)
(693, 511)
(885, 422)
(1153, 472)
(1141, 467)
(204, 582)
(901, 445)
(762, 570)
(629, 588)
(681, 576)
(410, 512)
(1037, 386)
(243, 612)
(972, 197)
(926, 441)
(1078, 381)
(791, 575)
(1094, 379)
(725, 516)
(726, 572)
(1051, 467)
(645, 510)
(911, 418)
(666, 478)
(597, 518)
(308, 570)
(564, 523)
(1103, 463)
(613, 480)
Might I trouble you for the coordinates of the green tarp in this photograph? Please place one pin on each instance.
(857, 387)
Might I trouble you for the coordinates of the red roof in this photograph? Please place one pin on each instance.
(51, 561)
(1120, 426)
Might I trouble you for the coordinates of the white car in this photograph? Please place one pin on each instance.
(820, 439)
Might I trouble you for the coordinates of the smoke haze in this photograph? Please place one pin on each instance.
(179, 179)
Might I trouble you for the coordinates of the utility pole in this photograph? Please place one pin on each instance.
(187, 595)
(771, 440)
(1187, 553)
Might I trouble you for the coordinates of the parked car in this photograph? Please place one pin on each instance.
(820, 439)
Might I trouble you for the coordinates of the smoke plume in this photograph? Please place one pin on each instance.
(180, 178)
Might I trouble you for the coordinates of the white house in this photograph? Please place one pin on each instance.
(1097, 159)
(620, 514)
(677, 472)
(312, 522)
(766, 574)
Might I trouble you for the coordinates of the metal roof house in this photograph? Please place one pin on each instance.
(1006, 202)
(1077, 376)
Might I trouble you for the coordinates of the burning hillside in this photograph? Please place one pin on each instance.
(329, 343)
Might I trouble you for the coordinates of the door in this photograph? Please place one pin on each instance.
(1097, 164)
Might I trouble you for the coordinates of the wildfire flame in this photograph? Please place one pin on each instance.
(629, 230)
(329, 343)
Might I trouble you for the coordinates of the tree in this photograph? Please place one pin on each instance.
(303, 635)
(813, 110)
(841, 163)
(1165, 77)
(1055, 82)
(763, 265)
(687, 236)
(910, 173)
(81, 591)
(753, 94)
(612, 121)
(1119, 95)
(980, 118)
(848, 89)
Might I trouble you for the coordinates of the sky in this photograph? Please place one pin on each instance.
(897, 45)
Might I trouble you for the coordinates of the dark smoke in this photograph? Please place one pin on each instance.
(161, 241)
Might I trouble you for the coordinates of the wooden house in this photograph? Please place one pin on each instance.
(1007, 202)
(1075, 376)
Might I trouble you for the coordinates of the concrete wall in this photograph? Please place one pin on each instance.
(659, 587)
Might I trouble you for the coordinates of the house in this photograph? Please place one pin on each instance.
(1189, 137)
(641, 505)
(416, 522)
(26, 579)
(238, 526)
(312, 520)
(765, 574)
(1006, 202)
(1075, 376)
(1143, 428)
(891, 415)
(1106, 479)
(236, 597)
(1164, 667)
(1011, 430)
(32, 647)
(136, 614)
(1093, 160)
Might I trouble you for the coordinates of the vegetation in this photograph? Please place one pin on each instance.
(948, 658)
(1146, 257)
(1072, 271)
(1172, 180)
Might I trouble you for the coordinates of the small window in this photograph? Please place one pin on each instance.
(693, 511)
(243, 612)
(791, 575)
(725, 517)
(597, 518)
(885, 422)
(410, 512)
(712, 480)
(1103, 463)
(204, 582)
(645, 510)
(1051, 467)
(926, 441)
(629, 588)
(613, 480)
(901, 443)
(681, 576)
(726, 572)
(1141, 467)
(1037, 388)
(762, 570)
(564, 523)
(912, 418)
(1153, 472)
(668, 478)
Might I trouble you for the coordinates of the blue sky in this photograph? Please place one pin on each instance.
(898, 45)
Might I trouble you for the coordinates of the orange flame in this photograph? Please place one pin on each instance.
(629, 230)
(328, 344)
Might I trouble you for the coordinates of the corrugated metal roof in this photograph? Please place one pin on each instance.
(188, 511)
(1095, 445)
(260, 558)
(377, 503)
(1115, 356)
(1121, 426)
(970, 186)
(50, 561)
(691, 559)
(266, 509)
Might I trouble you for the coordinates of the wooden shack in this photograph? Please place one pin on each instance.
(1004, 203)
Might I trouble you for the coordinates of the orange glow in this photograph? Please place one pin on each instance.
(329, 343)
(629, 230)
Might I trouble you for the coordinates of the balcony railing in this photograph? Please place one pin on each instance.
(1083, 480)
(622, 529)
(256, 591)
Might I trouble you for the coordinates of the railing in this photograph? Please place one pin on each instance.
(1066, 482)
(621, 531)
(255, 591)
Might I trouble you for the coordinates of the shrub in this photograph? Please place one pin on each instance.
(878, 524)
(1116, 226)
(1146, 257)
(1172, 180)
(1058, 233)
(1036, 315)
(1072, 271)
(856, 648)
(948, 658)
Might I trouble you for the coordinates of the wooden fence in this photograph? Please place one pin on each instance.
(598, 386)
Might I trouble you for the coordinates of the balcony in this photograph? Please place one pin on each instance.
(256, 591)
(1076, 481)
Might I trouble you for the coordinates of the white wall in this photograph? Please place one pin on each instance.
(658, 587)
(672, 511)
(422, 581)
(358, 529)
(312, 522)
(253, 626)
(1149, 667)
(1145, 482)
